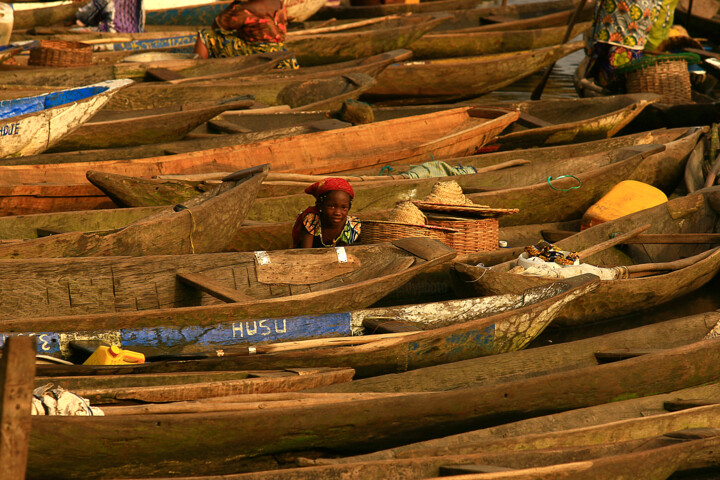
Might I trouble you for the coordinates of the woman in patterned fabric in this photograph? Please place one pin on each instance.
(123, 16)
(327, 224)
(245, 28)
(621, 29)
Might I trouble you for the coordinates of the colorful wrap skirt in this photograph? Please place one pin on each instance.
(604, 58)
(223, 43)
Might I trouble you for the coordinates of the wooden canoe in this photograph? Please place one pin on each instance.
(391, 34)
(695, 213)
(204, 14)
(435, 333)
(447, 44)
(446, 134)
(461, 9)
(78, 76)
(310, 48)
(114, 389)
(308, 92)
(199, 292)
(141, 127)
(31, 125)
(385, 421)
(654, 457)
(571, 121)
(662, 169)
(445, 79)
(372, 198)
(203, 224)
(536, 362)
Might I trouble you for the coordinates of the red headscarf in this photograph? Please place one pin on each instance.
(328, 185)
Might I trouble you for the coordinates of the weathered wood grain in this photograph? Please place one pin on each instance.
(17, 370)
(202, 225)
(385, 420)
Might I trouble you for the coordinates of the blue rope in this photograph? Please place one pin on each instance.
(551, 179)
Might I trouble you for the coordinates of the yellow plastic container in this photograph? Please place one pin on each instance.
(623, 199)
(114, 356)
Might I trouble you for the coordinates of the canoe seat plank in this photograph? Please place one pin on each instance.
(531, 121)
(452, 470)
(388, 325)
(163, 74)
(553, 236)
(421, 247)
(290, 269)
(326, 125)
(211, 287)
(498, 19)
(223, 126)
(677, 405)
(616, 355)
(46, 232)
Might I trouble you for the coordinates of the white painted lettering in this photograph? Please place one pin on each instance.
(237, 328)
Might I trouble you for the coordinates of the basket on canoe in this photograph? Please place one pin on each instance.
(476, 226)
(666, 75)
(61, 53)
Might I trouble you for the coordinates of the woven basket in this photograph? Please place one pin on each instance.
(58, 53)
(666, 75)
(377, 231)
(474, 235)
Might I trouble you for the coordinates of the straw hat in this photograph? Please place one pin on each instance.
(407, 212)
(448, 193)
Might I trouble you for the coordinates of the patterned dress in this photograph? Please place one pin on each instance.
(248, 27)
(620, 32)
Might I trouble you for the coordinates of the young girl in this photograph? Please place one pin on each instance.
(327, 224)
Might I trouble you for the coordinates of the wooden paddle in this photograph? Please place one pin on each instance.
(670, 266)
(537, 93)
(553, 236)
(588, 252)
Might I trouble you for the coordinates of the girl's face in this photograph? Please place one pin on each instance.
(335, 208)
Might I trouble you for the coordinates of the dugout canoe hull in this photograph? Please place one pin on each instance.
(150, 441)
(696, 213)
(468, 44)
(114, 389)
(204, 225)
(141, 129)
(662, 169)
(302, 92)
(371, 200)
(447, 331)
(374, 196)
(391, 34)
(58, 114)
(460, 8)
(78, 76)
(446, 134)
(439, 80)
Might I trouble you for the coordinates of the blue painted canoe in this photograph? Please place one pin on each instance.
(31, 125)
(447, 331)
